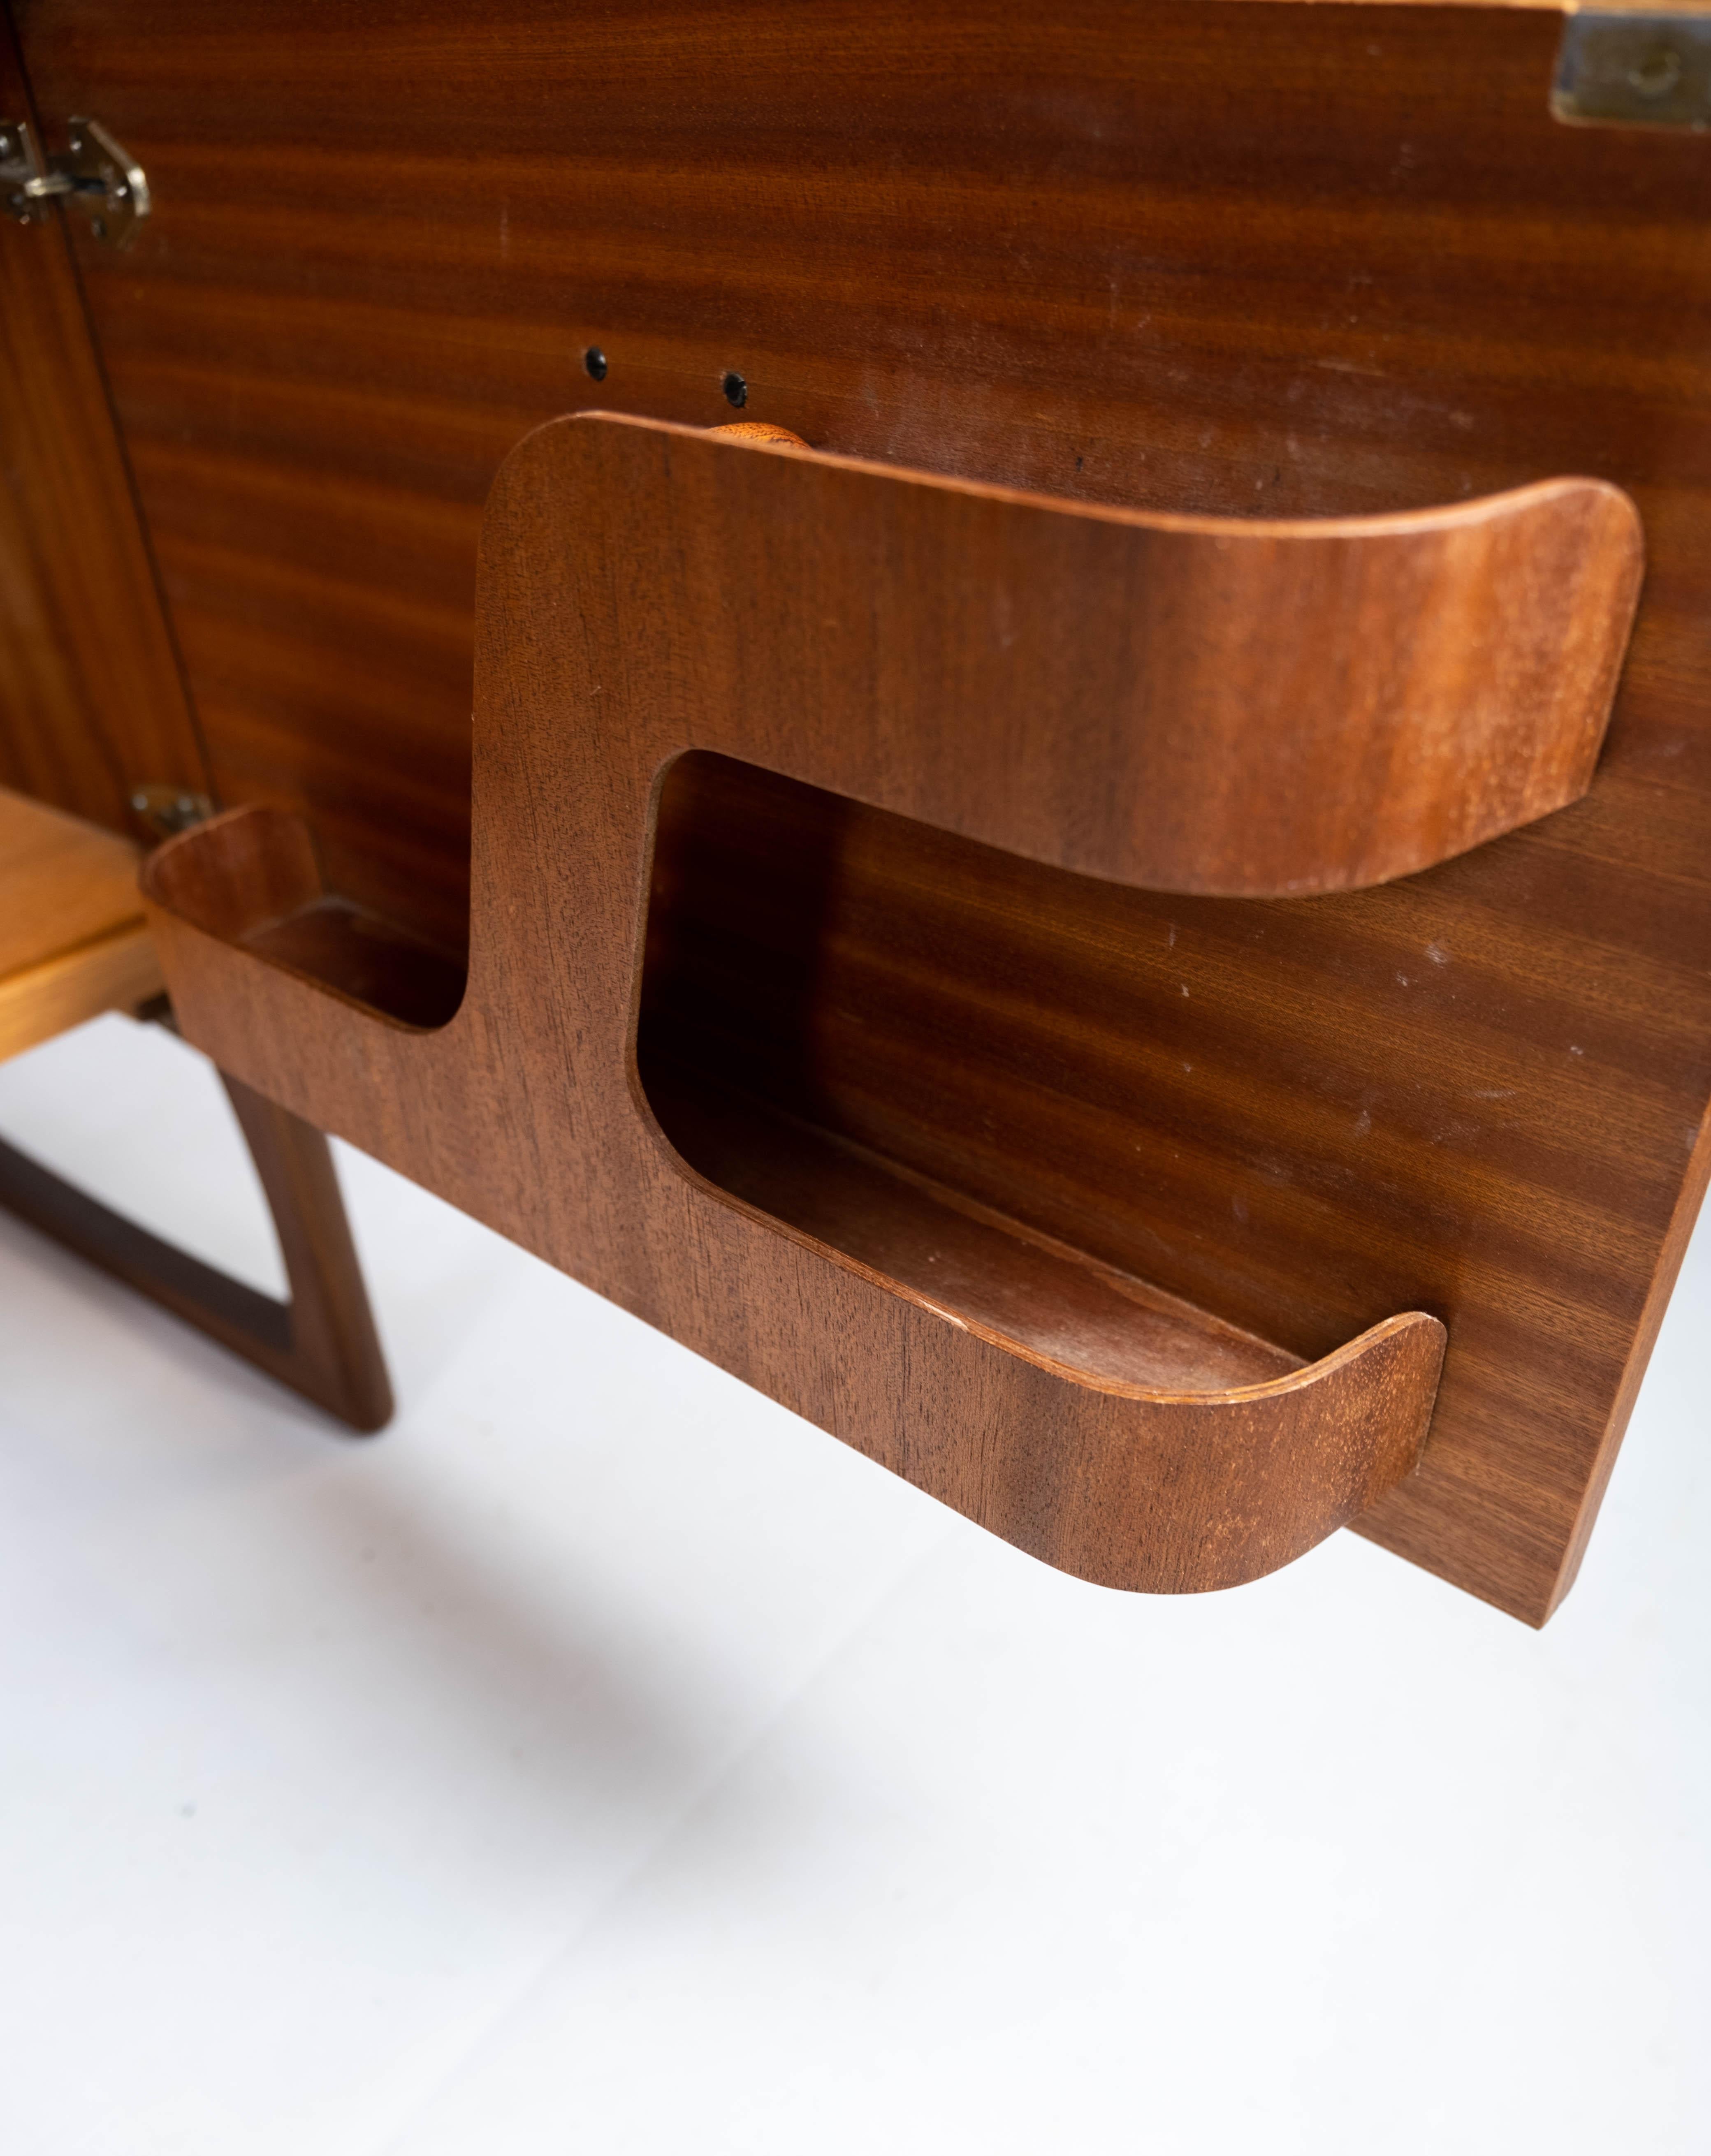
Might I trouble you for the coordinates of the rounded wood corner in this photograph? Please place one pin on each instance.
(1218, 1490)
(1158, 1491)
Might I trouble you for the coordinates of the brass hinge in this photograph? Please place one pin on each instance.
(1622, 71)
(93, 173)
(167, 810)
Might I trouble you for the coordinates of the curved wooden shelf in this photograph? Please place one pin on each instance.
(1192, 704)
(1238, 708)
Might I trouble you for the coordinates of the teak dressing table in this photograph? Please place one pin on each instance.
(1083, 851)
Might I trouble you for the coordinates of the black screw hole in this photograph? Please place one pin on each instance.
(595, 361)
(736, 390)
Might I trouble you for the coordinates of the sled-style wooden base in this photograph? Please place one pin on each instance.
(74, 944)
(321, 1343)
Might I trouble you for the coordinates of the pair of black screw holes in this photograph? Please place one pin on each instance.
(734, 388)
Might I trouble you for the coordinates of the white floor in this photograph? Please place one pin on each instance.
(604, 1761)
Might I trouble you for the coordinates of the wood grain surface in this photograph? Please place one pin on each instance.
(1049, 253)
(73, 940)
(62, 882)
(1208, 258)
(91, 699)
(119, 972)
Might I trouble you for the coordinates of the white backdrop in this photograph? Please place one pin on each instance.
(604, 1760)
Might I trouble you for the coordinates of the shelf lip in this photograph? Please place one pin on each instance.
(1305, 1378)
(1270, 1388)
(1306, 1373)
(1369, 524)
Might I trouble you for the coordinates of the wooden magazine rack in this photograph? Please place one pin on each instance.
(805, 789)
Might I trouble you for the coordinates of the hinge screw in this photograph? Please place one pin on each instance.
(1657, 74)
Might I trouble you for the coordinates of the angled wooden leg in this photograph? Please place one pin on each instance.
(321, 1343)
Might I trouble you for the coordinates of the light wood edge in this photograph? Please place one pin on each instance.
(117, 971)
(1305, 1379)
(1308, 1376)
(1528, 500)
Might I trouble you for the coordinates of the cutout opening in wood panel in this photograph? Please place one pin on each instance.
(798, 990)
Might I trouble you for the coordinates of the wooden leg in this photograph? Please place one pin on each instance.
(321, 1343)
